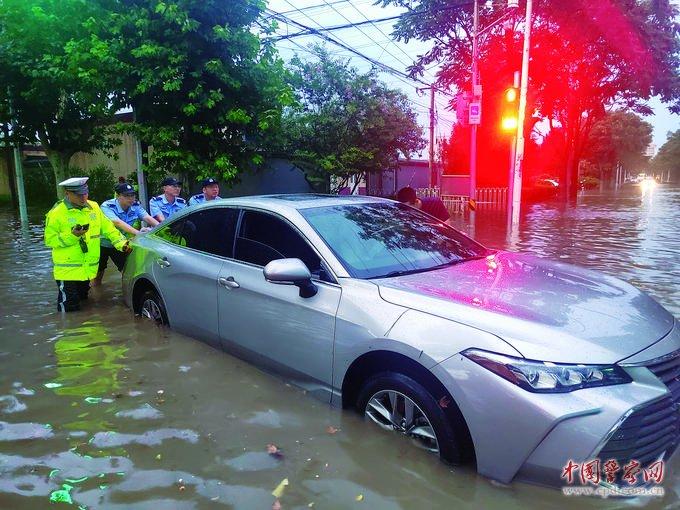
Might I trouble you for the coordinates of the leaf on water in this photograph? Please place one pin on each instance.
(278, 492)
(332, 430)
(360, 497)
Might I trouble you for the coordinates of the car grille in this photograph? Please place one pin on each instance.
(654, 429)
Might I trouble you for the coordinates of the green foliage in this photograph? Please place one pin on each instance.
(206, 93)
(57, 104)
(619, 137)
(668, 157)
(345, 123)
(101, 183)
(585, 56)
(40, 185)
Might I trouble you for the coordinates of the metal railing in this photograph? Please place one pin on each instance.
(492, 196)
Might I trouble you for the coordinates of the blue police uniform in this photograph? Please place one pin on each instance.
(160, 204)
(199, 199)
(133, 216)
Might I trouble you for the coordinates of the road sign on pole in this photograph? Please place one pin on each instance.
(475, 113)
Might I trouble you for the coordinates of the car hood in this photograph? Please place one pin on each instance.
(546, 310)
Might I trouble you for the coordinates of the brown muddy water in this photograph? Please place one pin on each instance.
(99, 409)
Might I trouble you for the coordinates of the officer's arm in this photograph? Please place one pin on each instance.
(56, 236)
(156, 212)
(124, 226)
(150, 220)
(120, 224)
(110, 231)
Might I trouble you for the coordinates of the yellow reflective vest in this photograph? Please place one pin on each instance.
(70, 262)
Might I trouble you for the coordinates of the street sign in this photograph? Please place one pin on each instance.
(475, 113)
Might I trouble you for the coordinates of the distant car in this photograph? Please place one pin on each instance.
(541, 188)
(515, 363)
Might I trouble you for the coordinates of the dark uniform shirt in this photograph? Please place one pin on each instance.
(434, 207)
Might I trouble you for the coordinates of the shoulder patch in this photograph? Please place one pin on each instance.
(180, 200)
(157, 198)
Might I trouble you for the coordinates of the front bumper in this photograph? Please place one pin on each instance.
(519, 435)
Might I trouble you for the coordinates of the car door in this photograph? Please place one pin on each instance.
(187, 268)
(271, 324)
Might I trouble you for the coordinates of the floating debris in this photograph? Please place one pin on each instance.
(278, 492)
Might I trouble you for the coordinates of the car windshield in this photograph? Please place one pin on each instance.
(390, 239)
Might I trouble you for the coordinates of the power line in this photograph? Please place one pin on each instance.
(337, 42)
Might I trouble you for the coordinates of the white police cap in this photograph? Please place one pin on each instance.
(76, 185)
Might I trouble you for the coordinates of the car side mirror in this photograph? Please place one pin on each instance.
(291, 272)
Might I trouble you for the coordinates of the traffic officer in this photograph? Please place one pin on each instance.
(73, 228)
(211, 190)
(127, 215)
(163, 206)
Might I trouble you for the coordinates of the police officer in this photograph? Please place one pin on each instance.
(73, 228)
(127, 215)
(211, 190)
(163, 206)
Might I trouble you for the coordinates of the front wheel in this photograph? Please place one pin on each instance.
(153, 308)
(397, 403)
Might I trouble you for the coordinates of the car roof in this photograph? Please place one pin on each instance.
(301, 200)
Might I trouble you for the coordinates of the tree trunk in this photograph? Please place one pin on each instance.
(59, 162)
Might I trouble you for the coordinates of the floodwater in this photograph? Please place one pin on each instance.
(99, 409)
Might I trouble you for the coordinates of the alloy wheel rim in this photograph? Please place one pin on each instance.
(394, 411)
(151, 310)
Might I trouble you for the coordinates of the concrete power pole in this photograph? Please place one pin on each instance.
(473, 127)
(433, 167)
(519, 154)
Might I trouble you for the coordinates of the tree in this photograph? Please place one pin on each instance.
(668, 157)
(585, 56)
(346, 124)
(618, 138)
(64, 108)
(205, 91)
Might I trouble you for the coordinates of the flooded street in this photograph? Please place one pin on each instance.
(99, 409)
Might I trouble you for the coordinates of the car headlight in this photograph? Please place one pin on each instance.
(546, 377)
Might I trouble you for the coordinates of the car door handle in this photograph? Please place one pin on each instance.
(164, 262)
(229, 283)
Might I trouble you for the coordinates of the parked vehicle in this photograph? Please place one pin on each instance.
(542, 187)
(513, 362)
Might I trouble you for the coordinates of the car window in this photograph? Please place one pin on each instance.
(209, 230)
(172, 233)
(387, 239)
(264, 237)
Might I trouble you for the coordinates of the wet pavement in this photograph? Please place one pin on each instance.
(99, 409)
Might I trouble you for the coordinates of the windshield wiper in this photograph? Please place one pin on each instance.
(404, 272)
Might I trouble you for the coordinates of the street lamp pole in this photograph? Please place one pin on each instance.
(519, 154)
(473, 127)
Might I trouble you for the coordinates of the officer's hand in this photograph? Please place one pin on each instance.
(144, 230)
(78, 231)
(127, 248)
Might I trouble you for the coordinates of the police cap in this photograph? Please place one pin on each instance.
(125, 188)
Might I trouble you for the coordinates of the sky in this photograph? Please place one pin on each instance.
(374, 40)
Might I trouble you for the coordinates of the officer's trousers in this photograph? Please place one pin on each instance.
(70, 294)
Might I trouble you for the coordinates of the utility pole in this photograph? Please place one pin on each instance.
(433, 168)
(473, 127)
(519, 155)
(18, 169)
(141, 179)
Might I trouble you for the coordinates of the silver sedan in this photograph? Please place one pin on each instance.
(515, 363)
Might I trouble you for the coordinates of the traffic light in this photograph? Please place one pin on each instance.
(510, 107)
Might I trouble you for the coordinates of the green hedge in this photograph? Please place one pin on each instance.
(40, 185)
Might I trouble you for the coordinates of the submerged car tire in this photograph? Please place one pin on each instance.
(153, 308)
(398, 403)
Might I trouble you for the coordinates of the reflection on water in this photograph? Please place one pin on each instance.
(101, 410)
